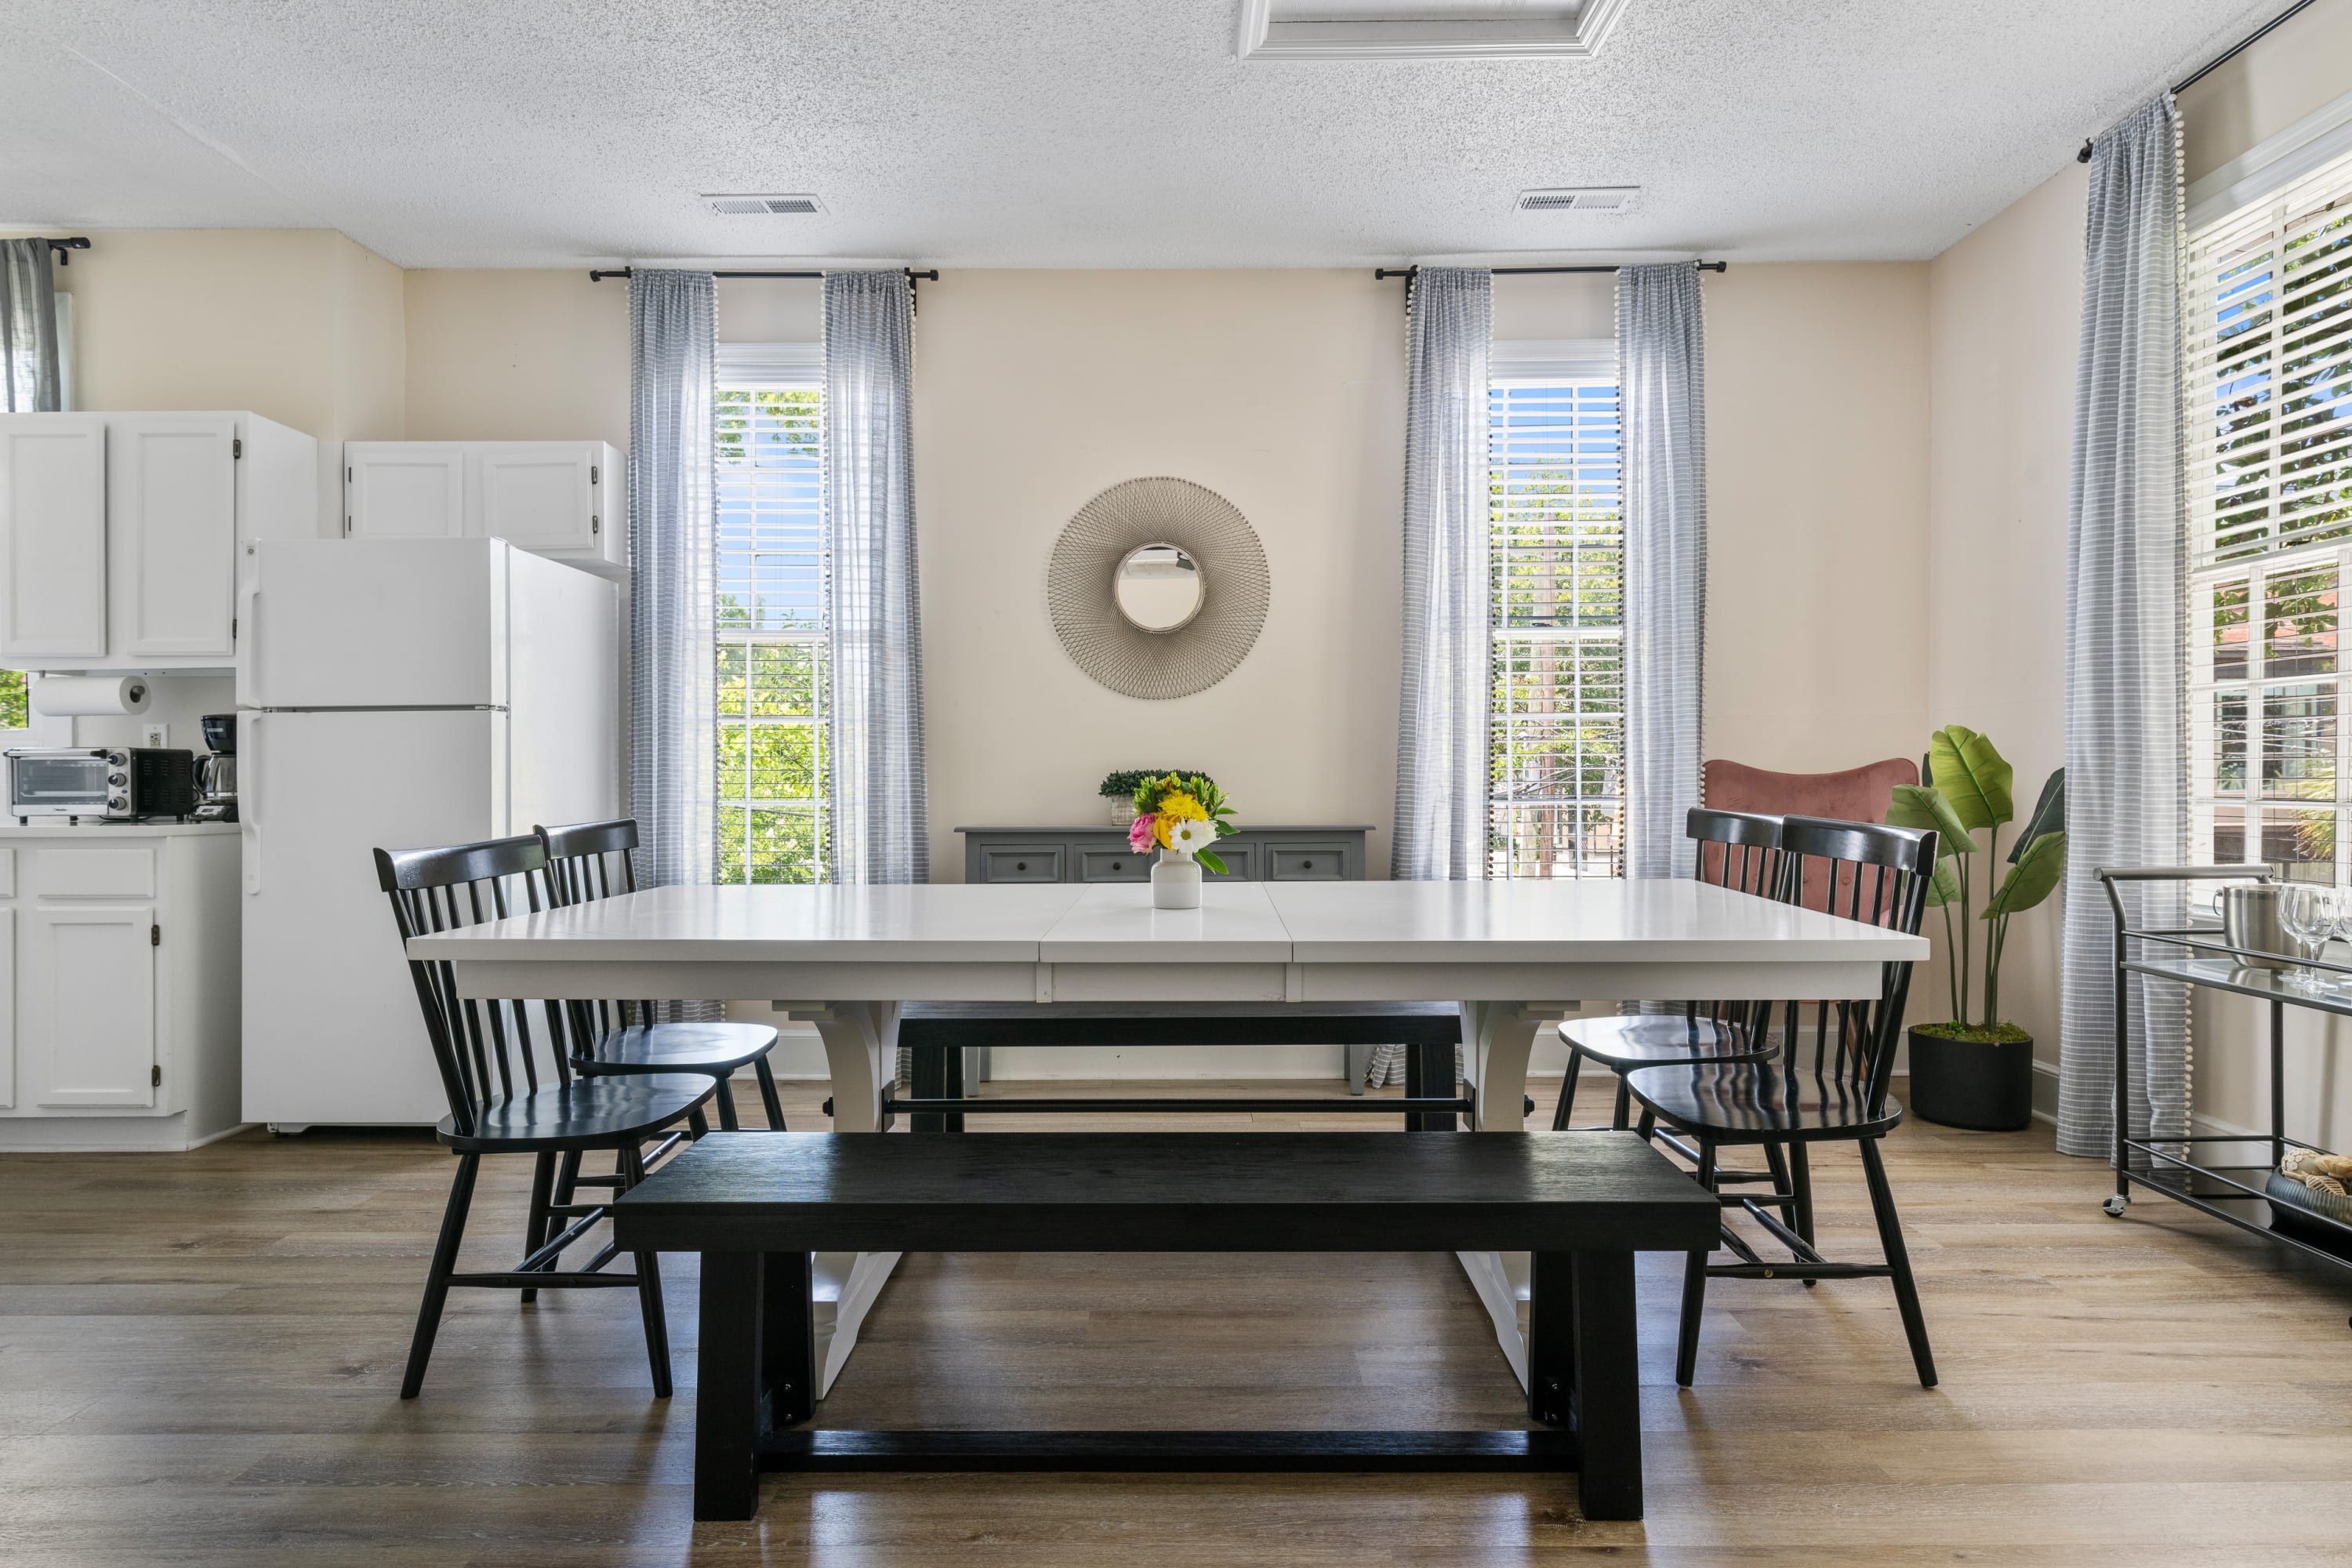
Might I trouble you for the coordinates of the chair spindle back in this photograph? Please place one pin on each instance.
(1739, 850)
(587, 861)
(1877, 875)
(483, 1048)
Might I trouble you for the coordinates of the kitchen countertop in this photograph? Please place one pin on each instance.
(58, 827)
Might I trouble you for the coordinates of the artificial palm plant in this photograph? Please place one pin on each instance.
(1967, 790)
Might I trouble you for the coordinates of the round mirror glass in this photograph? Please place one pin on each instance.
(1159, 587)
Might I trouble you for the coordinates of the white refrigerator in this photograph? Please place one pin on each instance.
(395, 693)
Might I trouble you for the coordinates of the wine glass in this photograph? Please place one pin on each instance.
(2307, 915)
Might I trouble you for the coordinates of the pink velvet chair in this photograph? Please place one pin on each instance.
(1712, 1032)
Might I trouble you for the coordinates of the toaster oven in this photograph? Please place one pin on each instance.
(116, 783)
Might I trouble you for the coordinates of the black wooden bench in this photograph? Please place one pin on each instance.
(937, 1033)
(755, 1205)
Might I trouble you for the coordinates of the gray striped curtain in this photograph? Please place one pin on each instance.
(673, 583)
(881, 810)
(1661, 379)
(2126, 546)
(1441, 766)
(1442, 777)
(29, 380)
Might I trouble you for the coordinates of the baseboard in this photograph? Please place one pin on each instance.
(2045, 1109)
(2045, 1091)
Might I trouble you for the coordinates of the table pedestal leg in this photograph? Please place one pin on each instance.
(1497, 1039)
(861, 1056)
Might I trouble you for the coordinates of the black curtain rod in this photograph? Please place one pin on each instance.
(1380, 273)
(599, 276)
(2217, 62)
(69, 244)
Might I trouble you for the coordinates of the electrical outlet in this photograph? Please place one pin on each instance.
(156, 735)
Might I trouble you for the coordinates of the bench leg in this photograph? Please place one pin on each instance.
(1551, 1338)
(728, 1408)
(787, 1337)
(1607, 1385)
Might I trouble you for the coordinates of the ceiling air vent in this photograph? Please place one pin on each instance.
(1580, 198)
(761, 206)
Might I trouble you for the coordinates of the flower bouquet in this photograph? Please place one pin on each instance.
(1182, 813)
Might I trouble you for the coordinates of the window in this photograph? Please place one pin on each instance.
(774, 618)
(1557, 728)
(13, 713)
(2268, 441)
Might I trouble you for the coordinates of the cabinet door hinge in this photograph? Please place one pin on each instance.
(592, 473)
(155, 936)
(347, 476)
(155, 1077)
(595, 523)
(236, 446)
(232, 628)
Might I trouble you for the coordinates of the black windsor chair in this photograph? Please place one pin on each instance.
(1866, 872)
(511, 1094)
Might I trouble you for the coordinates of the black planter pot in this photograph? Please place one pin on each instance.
(1986, 1085)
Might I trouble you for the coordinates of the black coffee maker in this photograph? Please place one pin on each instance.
(217, 770)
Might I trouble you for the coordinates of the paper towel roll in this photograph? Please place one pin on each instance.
(86, 695)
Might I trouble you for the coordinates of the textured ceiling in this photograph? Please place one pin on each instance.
(1055, 132)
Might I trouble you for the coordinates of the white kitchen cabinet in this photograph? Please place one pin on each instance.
(563, 499)
(404, 490)
(89, 1003)
(121, 954)
(120, 534)
(53, 536)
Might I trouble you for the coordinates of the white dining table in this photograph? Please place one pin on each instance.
(1512, 956)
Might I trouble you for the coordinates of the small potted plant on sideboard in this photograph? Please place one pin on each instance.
(1977, 1069)
(1120, 788)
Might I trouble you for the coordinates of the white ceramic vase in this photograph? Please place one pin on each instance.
(1176, 881)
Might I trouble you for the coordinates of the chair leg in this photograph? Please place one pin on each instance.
(567, 1178)
(775, 1106)
(1623, 1116)
(698, 1125)
(436, 1276)
(1800, 1183)
(1898, 1259)
(1694, 1286)
(536, 1231)
(1649, 1124)
(649, 1289)
(725, 1100)
(1777, 1159)
(1568, 1090)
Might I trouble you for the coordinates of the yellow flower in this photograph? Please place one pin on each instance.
(1175, 807)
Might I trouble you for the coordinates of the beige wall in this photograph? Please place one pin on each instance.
(1283, 392)
(518, 355)
(2005, 315)
(302, 326)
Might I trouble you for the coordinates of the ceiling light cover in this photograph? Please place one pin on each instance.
(798, 205)
(1426, 29)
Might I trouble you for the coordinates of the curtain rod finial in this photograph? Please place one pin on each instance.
(2084, 155)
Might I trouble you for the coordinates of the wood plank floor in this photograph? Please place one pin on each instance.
(199, 1355)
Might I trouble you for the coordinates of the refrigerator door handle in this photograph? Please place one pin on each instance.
(249, 727)
(249, 639)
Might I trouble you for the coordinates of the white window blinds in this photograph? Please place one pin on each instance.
(772, 623)
(1557, 728)
(2267, 440)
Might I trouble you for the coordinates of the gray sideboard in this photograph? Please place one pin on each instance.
(1100, 854)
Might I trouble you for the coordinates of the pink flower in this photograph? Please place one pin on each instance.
(1142, 835)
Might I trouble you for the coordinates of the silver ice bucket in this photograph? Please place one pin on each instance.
(2249, 923)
